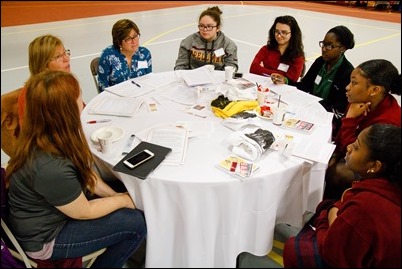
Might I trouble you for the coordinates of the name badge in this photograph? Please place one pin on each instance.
(317, 79)
(142, 64)
(283, 67)
(219, 52)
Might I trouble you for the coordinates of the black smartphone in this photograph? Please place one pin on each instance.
(238, 75)
(138, 158)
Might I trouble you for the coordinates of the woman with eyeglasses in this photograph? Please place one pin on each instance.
(284, 53)
(330, 73)
(45, 52)
(207, 46)
(125, 59)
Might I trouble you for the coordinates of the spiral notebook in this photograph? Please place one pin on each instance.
(143, 170)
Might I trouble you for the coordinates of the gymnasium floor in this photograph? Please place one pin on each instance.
(163, 29)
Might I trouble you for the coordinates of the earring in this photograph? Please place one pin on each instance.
(370, 171)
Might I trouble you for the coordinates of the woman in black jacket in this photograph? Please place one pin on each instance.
(330, 73)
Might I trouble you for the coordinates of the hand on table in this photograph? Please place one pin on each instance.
(278, 78)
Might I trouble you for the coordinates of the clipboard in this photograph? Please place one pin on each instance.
(143, 170)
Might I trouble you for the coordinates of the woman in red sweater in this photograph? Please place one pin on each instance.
(284, 52)
(370, 100)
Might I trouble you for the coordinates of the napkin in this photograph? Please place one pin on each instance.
(241, 120)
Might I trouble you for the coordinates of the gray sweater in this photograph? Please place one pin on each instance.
(195, 52)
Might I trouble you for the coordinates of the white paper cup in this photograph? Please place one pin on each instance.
(105, 141)
(229, 72)
(279, 115)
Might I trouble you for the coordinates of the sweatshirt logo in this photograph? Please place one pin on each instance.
(205, 56)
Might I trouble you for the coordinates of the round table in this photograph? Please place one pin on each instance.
(197, 214)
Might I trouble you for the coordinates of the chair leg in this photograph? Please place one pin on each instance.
(19, 254)
(90, 258)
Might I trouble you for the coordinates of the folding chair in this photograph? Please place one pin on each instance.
(94, 70)
(19, 253)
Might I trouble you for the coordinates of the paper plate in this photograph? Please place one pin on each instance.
(117, 133)
(257, 111)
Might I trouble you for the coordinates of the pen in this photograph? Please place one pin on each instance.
(136, 84)
(98, 121)
(127, 148)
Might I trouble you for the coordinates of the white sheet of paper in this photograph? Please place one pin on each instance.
(198, 76)
(174, 138)
(116, 106)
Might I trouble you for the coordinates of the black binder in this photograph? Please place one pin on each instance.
(143, 170)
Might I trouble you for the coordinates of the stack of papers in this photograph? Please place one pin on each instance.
(238, 166)
(115, 106)
(174, 138)
(292, 96)
(198, 76)
(305, 147)
(298, 125)
(141, 85)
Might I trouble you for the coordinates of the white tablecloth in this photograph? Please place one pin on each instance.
(200, 216)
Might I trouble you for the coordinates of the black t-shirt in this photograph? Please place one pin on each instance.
(35, 190)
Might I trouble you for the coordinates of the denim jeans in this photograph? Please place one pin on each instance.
(121, 232)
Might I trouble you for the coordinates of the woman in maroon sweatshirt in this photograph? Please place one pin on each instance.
(363, 228)
(371, 101)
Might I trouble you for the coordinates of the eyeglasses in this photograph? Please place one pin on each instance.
(282, 33)
(130, 39)
(59, 58)
(206, 27)
(327, 46)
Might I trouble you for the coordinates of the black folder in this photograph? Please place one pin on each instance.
(143, 170)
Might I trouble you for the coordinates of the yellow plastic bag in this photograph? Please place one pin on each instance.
(234, 107)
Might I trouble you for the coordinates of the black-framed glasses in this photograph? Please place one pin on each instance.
(206, 27)
(130, 39)
(328, 46)
(59, 58)
(282, 33)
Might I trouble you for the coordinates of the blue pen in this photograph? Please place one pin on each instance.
(135, 83)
